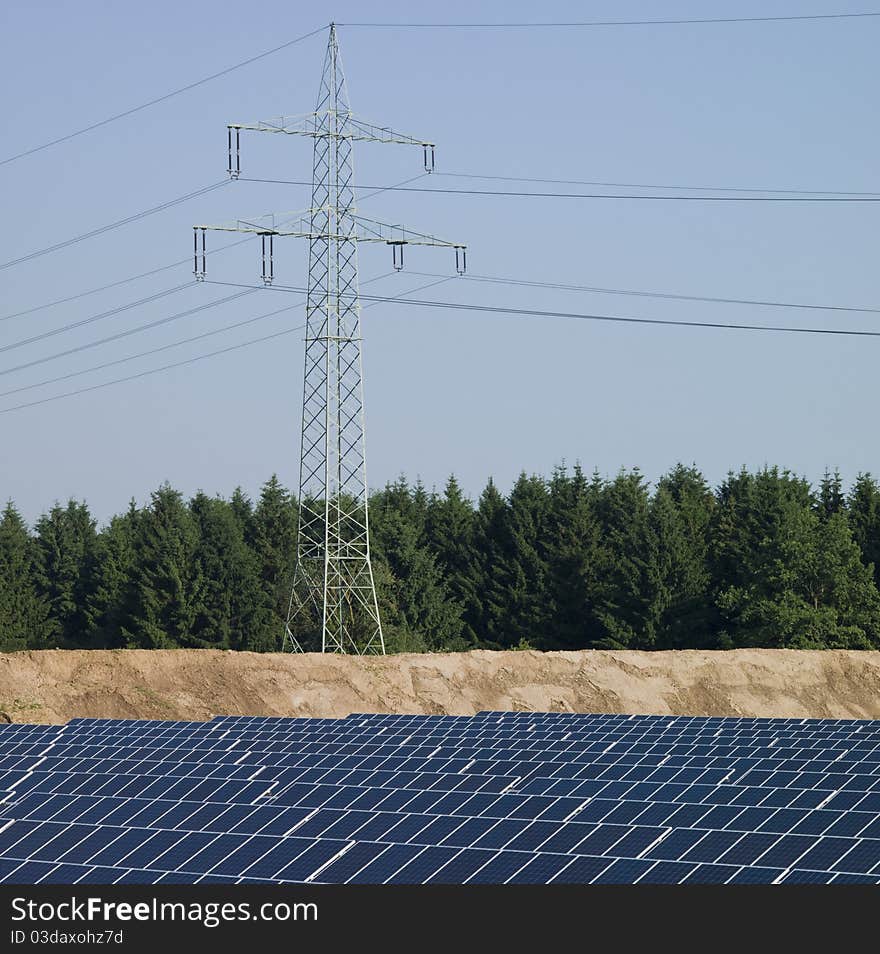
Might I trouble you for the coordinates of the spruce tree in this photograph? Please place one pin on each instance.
(487, 617)
(681, 510)
(243, 511)
(786, 576)
(449, 530)
(272, 538)
(233, 612)
(111, 591)
(831, 496)
(66, 544)
(421, 613)
(863, 512)
(524, 571)
(573, 561)
(398, 497)
(167, 592)
(25, 620)
(627, 594)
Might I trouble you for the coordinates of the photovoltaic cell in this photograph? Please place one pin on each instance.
(498, 797)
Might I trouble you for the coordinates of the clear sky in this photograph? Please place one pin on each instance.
(764, 105)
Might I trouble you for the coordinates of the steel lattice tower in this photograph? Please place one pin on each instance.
(333, 586)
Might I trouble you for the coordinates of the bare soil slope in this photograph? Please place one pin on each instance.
(57, 685)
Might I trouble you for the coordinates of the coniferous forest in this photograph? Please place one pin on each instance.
(569, 562)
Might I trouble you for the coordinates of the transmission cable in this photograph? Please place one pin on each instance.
(114, 225)
(146, 354)
(193, 360)
(613, 23)
(434, 304)
(184, 341)
(143, 374)
(170, 265)
(501, 280)
(650, 185)
(161, 99)
(94, 291)
(509, 193)
(131, 331)
(535, 313)
(92, 318)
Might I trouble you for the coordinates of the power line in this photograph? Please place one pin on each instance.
(184, 341)
(92, 318)
(179, 364)
(114, 225)
(490, 279)
(601, 195)
(651, 185)
(144, 374)
(616, 23)
(170, 265)
(501, 280)
(94, 291)
(526, 312)
(146, 354)
(160, 99)
(375, 299)
(535, 313)
(131, 331)
(402, 187)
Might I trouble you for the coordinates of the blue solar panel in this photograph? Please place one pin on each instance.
(516, 797)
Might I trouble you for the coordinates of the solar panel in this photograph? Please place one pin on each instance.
(494, 798)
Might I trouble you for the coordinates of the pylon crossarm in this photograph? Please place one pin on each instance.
(326, 124)
(269, 223)
(348, 126)
(364, 230)
(365, 131)
(355, 228)
(301, 124)
(370, 230)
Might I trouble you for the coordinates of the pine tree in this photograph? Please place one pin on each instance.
(25, 620)
(835, 577)
(272, 538)
(449, 531)
(681, 510)
(512, 570)
(421, 614)
(561, 564)
(863, 511)
(111, 589)
(66, 545)
(487, 617)
(233, 611)
(627, 597)
(525, 570)
(818, 594)
(748, 522)
(398, 497)
(786, 576)
(573, 561)
(167, 591)
(831, 496)
(243, 511)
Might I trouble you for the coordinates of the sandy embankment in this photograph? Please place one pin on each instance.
(57, 685)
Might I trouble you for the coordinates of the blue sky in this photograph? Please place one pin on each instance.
(785, 105)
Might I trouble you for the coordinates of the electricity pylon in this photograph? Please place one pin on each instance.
(333, 579)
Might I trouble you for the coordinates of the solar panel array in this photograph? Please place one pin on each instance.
(493, 798)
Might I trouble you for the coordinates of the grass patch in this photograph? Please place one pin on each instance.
(153, 697)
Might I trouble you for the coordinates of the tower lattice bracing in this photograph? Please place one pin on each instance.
(333, 605)
(333, 568)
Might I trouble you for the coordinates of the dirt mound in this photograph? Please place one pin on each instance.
(57, 685)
